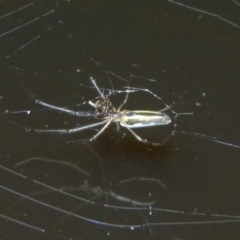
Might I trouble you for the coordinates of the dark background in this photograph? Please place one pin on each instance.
(187, 54)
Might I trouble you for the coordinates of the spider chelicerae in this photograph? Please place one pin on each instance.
(107, 113)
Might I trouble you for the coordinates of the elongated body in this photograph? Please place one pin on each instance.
(140, 119)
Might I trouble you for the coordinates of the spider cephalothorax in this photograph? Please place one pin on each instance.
(104, 108)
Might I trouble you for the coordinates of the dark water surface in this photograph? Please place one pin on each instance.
(187, 53)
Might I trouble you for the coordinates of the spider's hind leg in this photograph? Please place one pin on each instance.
(145, 141)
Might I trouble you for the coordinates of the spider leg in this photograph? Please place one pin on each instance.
(97, 88)
(132, 89)
(124, 102)
(62, 109)
(96, 135)
(145, 140)
(118, 128)
(69, 131)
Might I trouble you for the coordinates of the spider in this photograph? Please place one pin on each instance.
(105, 111)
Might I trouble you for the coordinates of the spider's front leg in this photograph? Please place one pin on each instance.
(53, 107)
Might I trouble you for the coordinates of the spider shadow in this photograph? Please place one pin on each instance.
(111, 146)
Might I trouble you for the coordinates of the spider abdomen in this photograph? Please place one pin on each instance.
(139, 119)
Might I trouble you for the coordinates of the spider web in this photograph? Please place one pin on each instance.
(185, 53)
